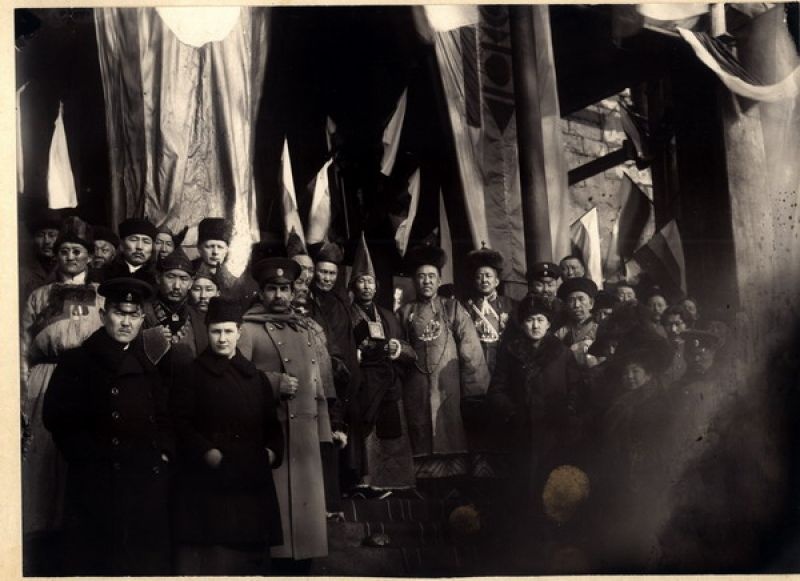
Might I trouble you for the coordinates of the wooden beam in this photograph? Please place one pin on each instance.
(543, 176)
(601, 164)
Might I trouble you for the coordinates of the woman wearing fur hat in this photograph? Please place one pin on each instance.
(56, 317)
(534, 398)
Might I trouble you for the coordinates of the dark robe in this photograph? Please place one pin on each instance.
(229, 405)
(119, 267)
(107, 410)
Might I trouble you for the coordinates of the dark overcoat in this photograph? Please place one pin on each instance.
(107, 410)
(119, 268)
(229, 405)
(535, 398)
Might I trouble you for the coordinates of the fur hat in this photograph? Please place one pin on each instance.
(46, 219)
(329, 252)
(107, 234)
(484, 257)
(223, 310)
(133, 226)
(426, 254)
(213, 229)
(176, 260)
(75, 230)
(534, 305)
(577, 284)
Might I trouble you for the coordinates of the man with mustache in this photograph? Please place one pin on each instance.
(489, 310)
(106, 409)
(38, 258)
(449, 375)
(284, 345)
(135, 258)
(171, 311)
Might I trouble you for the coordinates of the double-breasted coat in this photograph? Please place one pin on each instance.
(229, 405)
(107, 410)
(278, 344)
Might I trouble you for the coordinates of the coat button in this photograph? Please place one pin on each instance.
(115, 415)
(156, 470)
(286, 360)
(291, 416)
(115, 441)
(117, 466)
(313, 361)
(280, 342)
(309, 343)
(114, 391)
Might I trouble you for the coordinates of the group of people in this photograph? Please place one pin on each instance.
(180, 419)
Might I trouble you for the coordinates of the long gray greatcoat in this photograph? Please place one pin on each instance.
(450, 368)
(278, 344)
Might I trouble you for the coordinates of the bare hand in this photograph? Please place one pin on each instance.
(166, 332)
(339, 438)
(288, 386)
(213, 458)
(394, 348)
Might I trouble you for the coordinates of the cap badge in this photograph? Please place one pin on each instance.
(129, 297)
(279, 272)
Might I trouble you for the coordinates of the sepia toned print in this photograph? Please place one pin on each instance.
(419, 291)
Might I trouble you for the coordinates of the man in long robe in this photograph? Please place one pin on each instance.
(450, 374)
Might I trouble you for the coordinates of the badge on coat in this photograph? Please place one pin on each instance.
(376, 330)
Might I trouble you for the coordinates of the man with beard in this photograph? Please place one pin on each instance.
(204, 287)
(281, 344)
(170, 310)
(38, 260)
(106, 408)
(543, 280)
(135, 259)
(489, 311)
(450, 374)
(384, 357)
(106, 243)
(580, 330)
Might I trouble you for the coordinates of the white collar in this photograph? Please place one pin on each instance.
(79, 278)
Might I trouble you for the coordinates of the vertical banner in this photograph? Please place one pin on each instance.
(182, 88)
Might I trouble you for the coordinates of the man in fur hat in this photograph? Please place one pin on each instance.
(106, 243)
(580, 330)
(213, 240)
(450, 373)
(38, 259)
(332, 311)
(384, 356)
(136, 258)
(490, 311)
(170, 310)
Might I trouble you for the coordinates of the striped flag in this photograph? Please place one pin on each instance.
(391, 135)
(319, 217)
(289, 197)
(403, 232)
(662, 258)
(585, 236)
(636, 211)
(60, 180)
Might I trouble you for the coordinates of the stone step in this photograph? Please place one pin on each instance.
(397, 510)
(345, 535)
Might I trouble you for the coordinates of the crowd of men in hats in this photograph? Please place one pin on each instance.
(180, 419)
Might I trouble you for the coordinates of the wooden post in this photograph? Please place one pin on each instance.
(543, 176)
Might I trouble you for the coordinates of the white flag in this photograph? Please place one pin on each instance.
(585, 236)
(445, 242)
(404, 229)
(290, 212)
(391, 135)
(60, 180)
(319, 219)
